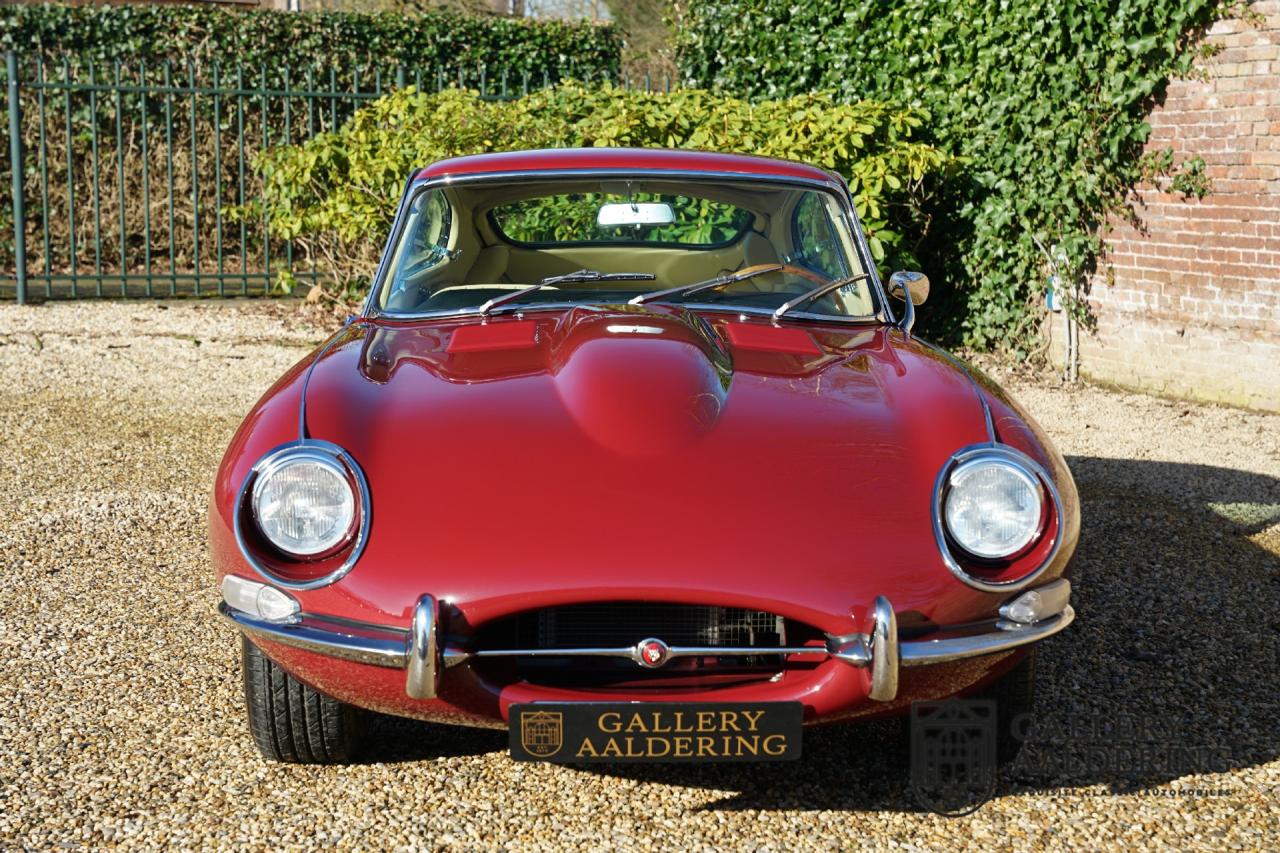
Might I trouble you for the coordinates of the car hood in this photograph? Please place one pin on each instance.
(646, 452)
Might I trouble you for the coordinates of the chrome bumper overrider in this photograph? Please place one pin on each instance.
(417, 650)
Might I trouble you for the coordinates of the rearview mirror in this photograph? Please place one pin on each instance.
(631, 213)
(914, 283)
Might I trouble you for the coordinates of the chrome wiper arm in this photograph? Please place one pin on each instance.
(707, 284)
(580, 275)
(817, 292)
(508, 297)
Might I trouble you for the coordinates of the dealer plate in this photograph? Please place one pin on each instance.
(638, 732)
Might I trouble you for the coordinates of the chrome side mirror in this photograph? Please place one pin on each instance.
(914, 283)
(909, 284)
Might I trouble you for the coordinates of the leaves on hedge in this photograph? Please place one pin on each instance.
(340, 40)
(337, 193)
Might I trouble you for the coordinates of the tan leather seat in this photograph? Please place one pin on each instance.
(756, 250)
(490, 266)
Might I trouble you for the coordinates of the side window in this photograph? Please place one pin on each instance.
(815, 243)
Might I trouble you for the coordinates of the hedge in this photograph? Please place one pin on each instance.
(336, 194)
(1044, 101)
(340, 40)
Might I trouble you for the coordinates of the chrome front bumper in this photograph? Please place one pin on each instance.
(418, 649)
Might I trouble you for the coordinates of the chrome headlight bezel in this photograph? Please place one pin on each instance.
(351, 545)
(955, 556)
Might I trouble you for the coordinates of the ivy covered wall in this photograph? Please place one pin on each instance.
(1045, 101)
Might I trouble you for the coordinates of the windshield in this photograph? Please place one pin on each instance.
(746, 244)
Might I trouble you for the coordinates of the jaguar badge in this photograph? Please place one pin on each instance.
(653, 653)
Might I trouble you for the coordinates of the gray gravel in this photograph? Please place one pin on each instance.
(120, 713)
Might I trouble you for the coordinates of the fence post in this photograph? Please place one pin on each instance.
(15, 153)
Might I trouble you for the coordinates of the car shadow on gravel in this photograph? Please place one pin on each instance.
(393, 740)
(1170, 669)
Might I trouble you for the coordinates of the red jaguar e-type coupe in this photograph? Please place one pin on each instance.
(630, 452)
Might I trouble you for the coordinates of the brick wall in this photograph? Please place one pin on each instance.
(1191, 305)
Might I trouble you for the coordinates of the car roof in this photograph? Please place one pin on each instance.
(623, 159)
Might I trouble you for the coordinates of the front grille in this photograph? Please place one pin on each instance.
(623, 624)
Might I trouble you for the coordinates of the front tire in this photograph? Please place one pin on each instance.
(292, 722)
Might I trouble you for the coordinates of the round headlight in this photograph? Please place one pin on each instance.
(993, 507)
(304, 504)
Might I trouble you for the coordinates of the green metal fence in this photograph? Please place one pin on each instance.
(138, 181)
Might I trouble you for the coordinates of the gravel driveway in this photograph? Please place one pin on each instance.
(120, 711)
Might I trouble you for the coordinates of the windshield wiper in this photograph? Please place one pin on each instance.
(816, 293)
(580, 275)
(708, 284)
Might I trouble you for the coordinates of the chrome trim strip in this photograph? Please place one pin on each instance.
(423, 679)
(836, 187)
(986, 414)
(884, 652)
(452, 656)
(365, 510)
(1009, 454)
(306, 635)
(456, 656)
(925, 652)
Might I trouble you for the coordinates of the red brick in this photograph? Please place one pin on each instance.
(1202, 274)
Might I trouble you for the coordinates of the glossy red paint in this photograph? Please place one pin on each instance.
(757, 336)
(603, 463)
(623, 159)
(485, 337)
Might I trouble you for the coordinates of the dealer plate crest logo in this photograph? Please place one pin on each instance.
(653, 653)
(542, 732)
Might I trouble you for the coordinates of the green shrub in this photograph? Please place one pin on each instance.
(1044, 101)
(343, 41)
(336, 194)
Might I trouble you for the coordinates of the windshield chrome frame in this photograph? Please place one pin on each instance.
(414, 188)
